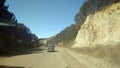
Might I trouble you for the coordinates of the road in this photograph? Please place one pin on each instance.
(62, 58)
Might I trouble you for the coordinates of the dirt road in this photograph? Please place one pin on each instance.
(63, 58)
(35, 60)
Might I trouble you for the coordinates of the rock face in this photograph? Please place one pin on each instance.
(101, 28)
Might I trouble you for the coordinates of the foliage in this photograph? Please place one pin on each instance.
(14, 38)
(5, 15)
(90, 7)
(65, 36)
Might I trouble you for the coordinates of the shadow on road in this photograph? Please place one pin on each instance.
(12, 67)
(23, 52)
(52, 51)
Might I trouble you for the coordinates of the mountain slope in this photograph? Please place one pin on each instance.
(101, 28)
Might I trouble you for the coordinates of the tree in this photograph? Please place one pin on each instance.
(5, 15)
(90, 7)
(14, 38)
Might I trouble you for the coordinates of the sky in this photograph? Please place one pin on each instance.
(45, 18)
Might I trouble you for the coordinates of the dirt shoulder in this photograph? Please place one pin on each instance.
(86, 61)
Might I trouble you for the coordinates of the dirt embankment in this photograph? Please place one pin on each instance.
(101, 28)
(99, 36)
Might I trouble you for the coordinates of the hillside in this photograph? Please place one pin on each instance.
(99, 36)
(101, 28)
(90, 8)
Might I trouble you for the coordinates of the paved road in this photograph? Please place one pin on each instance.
(63, 58)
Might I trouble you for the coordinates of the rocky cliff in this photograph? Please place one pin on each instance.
(101, 28)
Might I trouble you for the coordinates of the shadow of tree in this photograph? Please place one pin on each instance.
(52, 51)
(23, 52)
(12, 67)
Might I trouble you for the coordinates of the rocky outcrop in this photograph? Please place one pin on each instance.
(101, 28)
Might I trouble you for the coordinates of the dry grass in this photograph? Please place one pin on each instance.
(108, 53)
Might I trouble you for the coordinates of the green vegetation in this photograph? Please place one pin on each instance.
(65, 36)
(14, 38)
(5, 15)
(88, 7)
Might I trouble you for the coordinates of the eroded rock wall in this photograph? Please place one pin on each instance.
(101, 28)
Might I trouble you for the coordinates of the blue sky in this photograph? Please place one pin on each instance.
(45, 18)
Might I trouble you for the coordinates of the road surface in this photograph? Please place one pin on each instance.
(62, 58)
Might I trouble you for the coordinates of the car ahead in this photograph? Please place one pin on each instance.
(51, 49)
